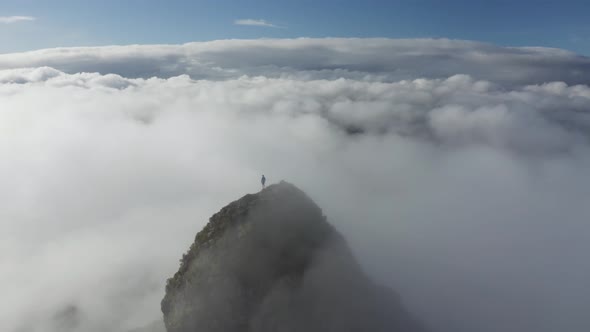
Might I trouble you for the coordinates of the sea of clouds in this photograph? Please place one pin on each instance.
(458, 172)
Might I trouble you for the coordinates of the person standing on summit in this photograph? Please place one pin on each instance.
(263, 181)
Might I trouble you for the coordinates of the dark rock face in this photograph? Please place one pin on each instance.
(270, 262)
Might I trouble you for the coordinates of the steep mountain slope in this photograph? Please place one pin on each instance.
(271, 262)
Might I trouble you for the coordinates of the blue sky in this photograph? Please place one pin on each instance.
(562, 24)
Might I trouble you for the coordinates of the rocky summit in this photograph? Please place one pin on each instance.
(271, 262)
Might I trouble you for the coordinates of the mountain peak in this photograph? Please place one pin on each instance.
(270, 261)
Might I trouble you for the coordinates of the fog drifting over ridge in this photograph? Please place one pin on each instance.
(457, 171)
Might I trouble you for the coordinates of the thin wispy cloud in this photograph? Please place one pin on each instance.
(15, 19)
(256, 23)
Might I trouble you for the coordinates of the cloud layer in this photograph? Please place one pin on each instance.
(460, 178)
(386, 60)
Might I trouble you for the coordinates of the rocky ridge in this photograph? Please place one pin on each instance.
(271, 262)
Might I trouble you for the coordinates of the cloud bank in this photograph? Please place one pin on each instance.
(15, 19)
(384, 60)
(459, 179)
(256, 23)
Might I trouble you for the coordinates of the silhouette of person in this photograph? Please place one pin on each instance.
(263, 181)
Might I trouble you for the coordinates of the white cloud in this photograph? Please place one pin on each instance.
(467, 195)
(256, 23)
(377, 59)
(15, 19)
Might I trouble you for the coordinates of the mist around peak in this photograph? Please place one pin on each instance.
(270, 261)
